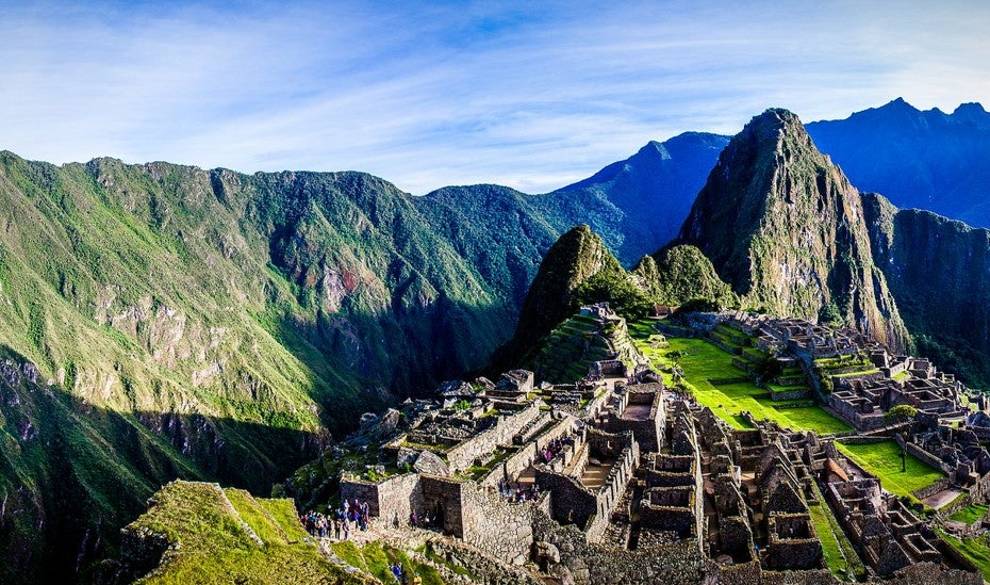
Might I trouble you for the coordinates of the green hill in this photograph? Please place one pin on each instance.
(567, 352)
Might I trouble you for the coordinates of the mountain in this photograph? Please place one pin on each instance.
(645, 198)
(939, 273)
(573, 260)
(683, 274)
(212, 325)
(785, 228)
(918, 159)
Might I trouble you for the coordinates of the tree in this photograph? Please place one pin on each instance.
(901, 413)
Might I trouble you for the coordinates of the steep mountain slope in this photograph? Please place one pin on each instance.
(922, 159)
(939, 272)
(785, 228)
(62, 487)
(683, 274)
(572, 262)
(232, 319)
(648, 195)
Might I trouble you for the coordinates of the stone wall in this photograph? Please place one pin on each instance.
(496, 526)
(573, 559)
(391, 501)
(464, 454)
(442, 497)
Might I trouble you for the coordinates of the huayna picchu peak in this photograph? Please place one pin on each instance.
(786, 229)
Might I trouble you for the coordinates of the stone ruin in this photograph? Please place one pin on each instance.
(619, 479)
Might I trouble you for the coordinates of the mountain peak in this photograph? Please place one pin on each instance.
(783, 226)
(898, 104)
(969, 110)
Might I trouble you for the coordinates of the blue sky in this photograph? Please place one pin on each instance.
(531, 95)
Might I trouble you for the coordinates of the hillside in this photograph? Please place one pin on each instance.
(234, 538)
(918, 159)
(566, 354)
(785, 228)
(648, 195)
(939, 273)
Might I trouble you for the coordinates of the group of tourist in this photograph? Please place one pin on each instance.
(518, 493)
(350, 515)
(425, 521)
(554, 447)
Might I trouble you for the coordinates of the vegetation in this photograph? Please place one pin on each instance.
(976, 550)
(901, 413)
(840, 555)
(884, 461)
(376, 559)
(223, 536)
(970, 514)
(567, 353)
(709, 373)
(684, 274)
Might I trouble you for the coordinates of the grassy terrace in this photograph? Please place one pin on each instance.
(718, 384)
(970, 514)
(884, 461)
(976, 550)
(228, 536)
(840, 556)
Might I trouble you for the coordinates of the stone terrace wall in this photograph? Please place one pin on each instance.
(390, 501)
(496, 526)
(527, 454)
(463, 455)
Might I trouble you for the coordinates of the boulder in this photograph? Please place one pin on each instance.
(429, 462)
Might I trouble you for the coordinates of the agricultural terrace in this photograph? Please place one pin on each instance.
(884, 461)
(716, 382)
(976, 550)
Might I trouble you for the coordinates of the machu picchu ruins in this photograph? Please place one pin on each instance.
(635, 473)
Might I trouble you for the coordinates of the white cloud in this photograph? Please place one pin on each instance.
(424, 97)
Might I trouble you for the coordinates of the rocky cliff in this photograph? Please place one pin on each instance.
(785, 228)
(939, 272)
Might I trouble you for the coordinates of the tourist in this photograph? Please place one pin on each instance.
(397, 572)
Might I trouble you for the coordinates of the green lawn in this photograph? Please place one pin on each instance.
(970, 514)
(976, 550)
(704, 362)
(884, 461)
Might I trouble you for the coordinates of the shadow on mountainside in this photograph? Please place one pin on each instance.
(72, 474)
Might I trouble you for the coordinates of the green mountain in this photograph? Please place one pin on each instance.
(234, 321)
(229, 321)
(939, 273)
(683, 273)
(785, 228)
(576, 270)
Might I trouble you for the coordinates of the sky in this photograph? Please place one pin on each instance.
(533, 95)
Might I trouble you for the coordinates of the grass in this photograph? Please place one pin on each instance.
(703, 362)
(970, 514)
(884, 461)
(976, 550)
(212, 530)
(840, 556)
(377, 559)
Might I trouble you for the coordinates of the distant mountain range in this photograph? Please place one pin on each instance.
(918, 159)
